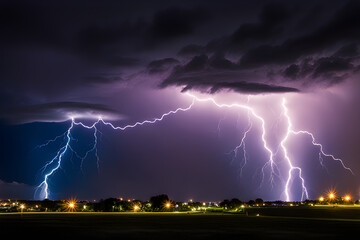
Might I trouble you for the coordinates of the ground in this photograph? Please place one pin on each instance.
(258, 223)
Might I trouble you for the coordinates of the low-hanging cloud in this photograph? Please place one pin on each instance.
(59, 112)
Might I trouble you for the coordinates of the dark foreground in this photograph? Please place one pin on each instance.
(270, 224)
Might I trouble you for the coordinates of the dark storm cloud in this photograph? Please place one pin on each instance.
(244, 87)
(44, 44)
(326, 70)
(192, 50)
(161, 65)
(103, 78)
(269, 26)
(343, 27)
(58, 112)
(176, 22)
(350, 50)
(58, 51)
(215, 74)
(322, 56)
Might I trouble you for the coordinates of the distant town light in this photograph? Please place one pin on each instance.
(71, 205)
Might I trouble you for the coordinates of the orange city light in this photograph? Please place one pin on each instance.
(71, 205)
(167, 204)
(347, 198)
(331, 195)
(321, 199)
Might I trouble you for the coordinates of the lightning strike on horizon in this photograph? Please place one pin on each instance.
(292, 168)
(43, 187)
(274, 171)
(321, 152)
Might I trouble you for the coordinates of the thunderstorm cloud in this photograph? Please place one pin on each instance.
(90, 58)
(267, 47)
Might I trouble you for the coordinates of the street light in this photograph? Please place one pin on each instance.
(22, 206)
(168, 204)
(71, 206)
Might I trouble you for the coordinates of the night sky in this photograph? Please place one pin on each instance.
(130, 61)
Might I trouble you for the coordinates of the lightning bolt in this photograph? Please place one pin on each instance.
(270, 163)
(55, 163)
(292, 168)
(44, 186)
(243, 146)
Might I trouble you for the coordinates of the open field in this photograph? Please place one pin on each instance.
(272, 223)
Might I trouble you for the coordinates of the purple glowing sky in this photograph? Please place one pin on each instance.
(129, 62)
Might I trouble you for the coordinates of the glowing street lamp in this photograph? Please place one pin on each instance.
(331, 196)
(71, 206)
(347, 198)
(167, 204)
(321, 199)
(136, 207)
(22, 207)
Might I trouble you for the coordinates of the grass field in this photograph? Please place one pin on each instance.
(258, 223)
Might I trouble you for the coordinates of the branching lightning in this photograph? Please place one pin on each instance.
(292, 168)
(43, 187)
(242, 146)
(274, 172)
(55, 163)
